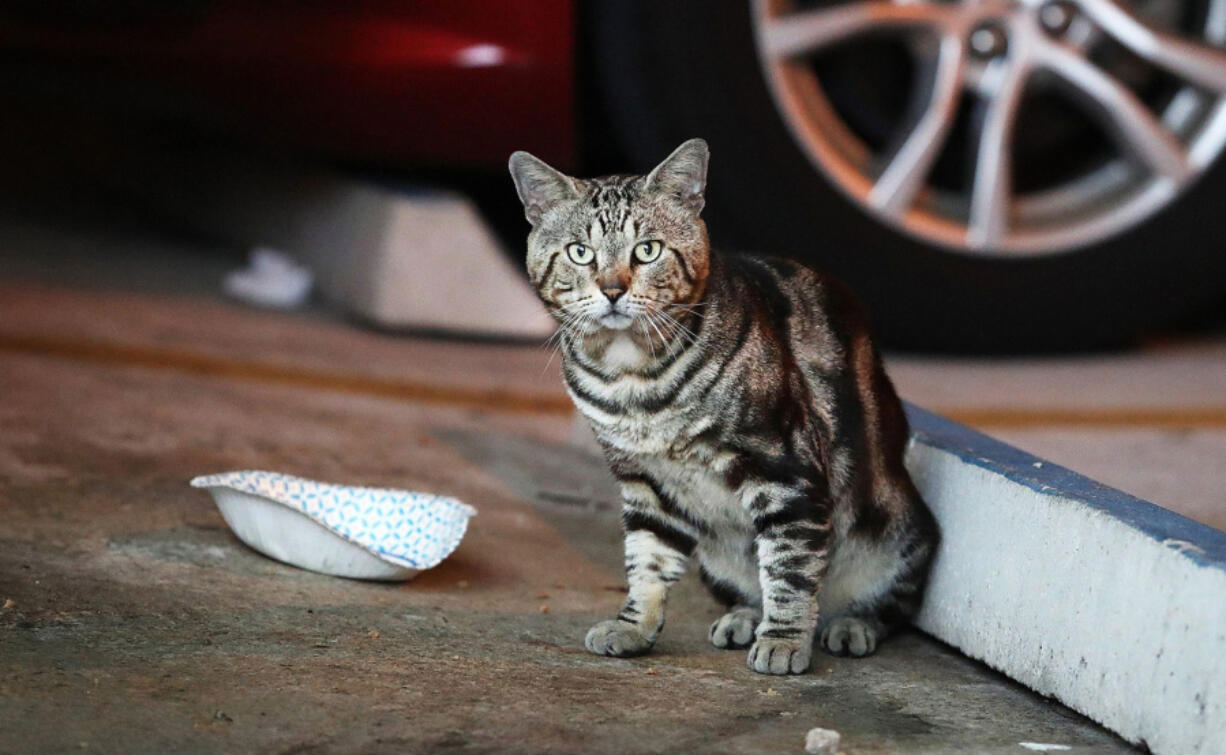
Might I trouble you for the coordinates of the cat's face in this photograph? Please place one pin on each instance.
(623, 253)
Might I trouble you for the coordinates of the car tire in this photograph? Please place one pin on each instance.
(674, 70)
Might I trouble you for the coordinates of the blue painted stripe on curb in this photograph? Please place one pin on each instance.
(1209, 545)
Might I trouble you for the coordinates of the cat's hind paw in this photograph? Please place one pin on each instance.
(617, 638)
(771, 655)
(848, 635)
(734, 629)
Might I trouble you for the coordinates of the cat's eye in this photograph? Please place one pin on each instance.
(580, 254)
(648, 251)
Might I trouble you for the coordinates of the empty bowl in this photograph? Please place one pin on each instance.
(342, 530)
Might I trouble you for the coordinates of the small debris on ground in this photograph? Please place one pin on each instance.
(652, 671)
(822, 742)
(271, 279)
(8, 603)
(222, 717)
(373, 634)
(544, 608)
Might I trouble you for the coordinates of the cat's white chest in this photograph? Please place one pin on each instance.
(624, 354)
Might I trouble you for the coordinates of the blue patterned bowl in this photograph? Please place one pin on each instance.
(346, 531)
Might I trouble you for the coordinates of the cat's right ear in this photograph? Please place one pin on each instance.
(540, 187)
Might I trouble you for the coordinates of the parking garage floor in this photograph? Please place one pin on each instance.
(131, 620)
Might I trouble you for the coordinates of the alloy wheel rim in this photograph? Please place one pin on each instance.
(995, 52)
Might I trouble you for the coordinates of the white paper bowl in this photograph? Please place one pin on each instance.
(342, 530)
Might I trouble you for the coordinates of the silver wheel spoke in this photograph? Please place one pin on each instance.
(1200, 64)
(895, 191)
(992, 193)
(1140, 131)
(798, 34)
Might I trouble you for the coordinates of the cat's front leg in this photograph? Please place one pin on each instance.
(793, 528)
(656, 553)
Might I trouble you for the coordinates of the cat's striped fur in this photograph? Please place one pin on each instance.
(745, 411)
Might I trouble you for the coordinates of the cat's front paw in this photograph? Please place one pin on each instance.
(771, 655)
(617, 638)
(848, 635)
(734, 629)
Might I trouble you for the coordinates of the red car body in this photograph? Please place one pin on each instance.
(455, 83)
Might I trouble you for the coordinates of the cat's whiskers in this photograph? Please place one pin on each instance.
(557, 338)
(651, 320)
(689, 335)
(636, 311)
(577, 327)
(573, 314)
(660, 317)
(683, 310)
(677, 334)
(641, 322)
(568, 315)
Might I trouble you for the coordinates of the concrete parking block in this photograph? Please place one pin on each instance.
(1108, 603)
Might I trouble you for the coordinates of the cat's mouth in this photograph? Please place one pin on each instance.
(614, 320)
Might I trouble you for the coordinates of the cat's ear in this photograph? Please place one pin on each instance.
(683, 174)
(540, 187)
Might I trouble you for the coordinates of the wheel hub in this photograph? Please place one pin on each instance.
(991, 58)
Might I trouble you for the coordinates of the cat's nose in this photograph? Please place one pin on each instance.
(613, 293)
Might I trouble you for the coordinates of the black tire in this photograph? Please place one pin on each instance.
(673, 70)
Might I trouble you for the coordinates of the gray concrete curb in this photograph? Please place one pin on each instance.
(1110, 604)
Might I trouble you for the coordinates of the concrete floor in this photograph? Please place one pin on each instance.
(132, 620)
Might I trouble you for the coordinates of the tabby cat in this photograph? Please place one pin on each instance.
(744, 410)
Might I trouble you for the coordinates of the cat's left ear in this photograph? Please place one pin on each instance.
(683, 174)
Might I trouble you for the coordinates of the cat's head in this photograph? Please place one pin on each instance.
(609, 254)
